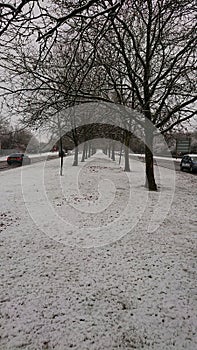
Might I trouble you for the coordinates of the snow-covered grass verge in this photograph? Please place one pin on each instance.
(92, 260)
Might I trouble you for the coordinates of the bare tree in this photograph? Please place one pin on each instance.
(153, 42)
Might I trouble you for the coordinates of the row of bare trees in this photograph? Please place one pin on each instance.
(15, 138)
(136, 54)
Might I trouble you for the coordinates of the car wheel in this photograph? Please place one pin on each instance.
(181, 168)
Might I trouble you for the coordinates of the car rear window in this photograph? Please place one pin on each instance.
(15, 155)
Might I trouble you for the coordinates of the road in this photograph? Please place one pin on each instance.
(171, 163)
(4, 166)
(160, 161)
(166, 163)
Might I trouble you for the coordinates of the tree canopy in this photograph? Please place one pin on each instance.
(140, 54)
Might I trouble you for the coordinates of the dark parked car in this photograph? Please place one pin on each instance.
(189, 162)
(18, 158)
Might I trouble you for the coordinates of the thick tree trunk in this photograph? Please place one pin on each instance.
(76, 142)
(126, 165)
(75, 163)
(150, 178)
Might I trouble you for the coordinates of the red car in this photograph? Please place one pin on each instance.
(18, 158)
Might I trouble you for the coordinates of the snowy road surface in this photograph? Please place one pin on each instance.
(103, 266)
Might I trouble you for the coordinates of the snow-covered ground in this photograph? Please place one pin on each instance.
(93, 261)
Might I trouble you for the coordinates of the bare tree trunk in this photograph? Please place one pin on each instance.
(76, 142)
(75, 163)
(113, 152)
(84, 152)
(126, 154)
(109, 151)
(120, 154)
(150, 178)
(89, 149)
(61, 165)
(61, 150)
(126, 165)
(93, 151)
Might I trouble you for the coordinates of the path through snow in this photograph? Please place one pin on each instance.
(63, 286)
